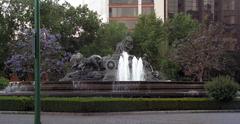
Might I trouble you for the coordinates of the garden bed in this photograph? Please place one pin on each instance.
(98, 104)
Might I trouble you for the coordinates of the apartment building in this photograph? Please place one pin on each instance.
(225, 11)
(127, 11)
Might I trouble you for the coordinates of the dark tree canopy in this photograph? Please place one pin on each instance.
(107, 38)
(150, 37)
(180, 26)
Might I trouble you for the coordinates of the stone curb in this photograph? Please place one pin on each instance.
(123, 113)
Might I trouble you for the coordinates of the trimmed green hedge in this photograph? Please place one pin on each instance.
(222, 88)
(54, 104)
(3, 82)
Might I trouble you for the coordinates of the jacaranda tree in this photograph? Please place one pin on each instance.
(21, 61)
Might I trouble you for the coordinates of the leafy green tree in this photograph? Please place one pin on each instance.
(107, 38)
(151, 38)
(179, 27)
(232, 64)
(79, 27)
(19, 14)
(4, 38)
(52, 15)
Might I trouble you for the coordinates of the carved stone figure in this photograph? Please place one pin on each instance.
(125, 45)
(96, 67)
(92, 63)
(147, 65)
(75, 60)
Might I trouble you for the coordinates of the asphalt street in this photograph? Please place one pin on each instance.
(125, 118)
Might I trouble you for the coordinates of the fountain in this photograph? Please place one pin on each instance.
(130, 72)
(120, 66)
(116, 75)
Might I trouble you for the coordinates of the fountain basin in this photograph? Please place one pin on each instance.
(112, 89)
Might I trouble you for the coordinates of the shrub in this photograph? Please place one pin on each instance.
(101, 104)
(3, 82)
(222, 88)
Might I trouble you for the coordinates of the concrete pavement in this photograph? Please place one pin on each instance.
(126, 118)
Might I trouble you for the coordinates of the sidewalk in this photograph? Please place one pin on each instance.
(170, 117)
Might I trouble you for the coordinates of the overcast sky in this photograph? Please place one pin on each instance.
(95, 5)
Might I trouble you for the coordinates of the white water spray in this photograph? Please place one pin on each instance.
(135, 72)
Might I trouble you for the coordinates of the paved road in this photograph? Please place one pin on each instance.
(125, 118)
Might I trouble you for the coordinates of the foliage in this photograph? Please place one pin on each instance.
(72, 27)
(52, 55)
(150, 38)
(107, 38)
(3, 82)
(79, 27)
(19, 13)
(3, 46)
(75, 104)
(202, 51)
(232, 64)
(4, 38)
(179, 27)
(222, 88)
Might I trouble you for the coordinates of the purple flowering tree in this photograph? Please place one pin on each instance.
(21, 60)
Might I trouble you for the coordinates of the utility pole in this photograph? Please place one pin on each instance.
(37, 101)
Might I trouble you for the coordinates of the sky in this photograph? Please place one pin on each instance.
(95, 5)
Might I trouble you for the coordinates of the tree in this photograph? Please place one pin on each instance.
(179, 27)
(21, 61)
(74, 27)
(4, 38)
(203, 50)
(19, 14)
(79, 27)
(107, 38)
(151, 37)
(232, 64)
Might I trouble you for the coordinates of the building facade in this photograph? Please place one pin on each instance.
(224, 11)
(199, 9)
(127, 11)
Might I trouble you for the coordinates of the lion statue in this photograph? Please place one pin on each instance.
(125, 45)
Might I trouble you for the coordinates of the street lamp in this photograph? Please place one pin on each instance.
(37, 101)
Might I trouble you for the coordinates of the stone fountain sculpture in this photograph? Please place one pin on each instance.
(99, 68)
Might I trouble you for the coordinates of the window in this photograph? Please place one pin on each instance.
(209, 5)
(123, 1)
(191, 5)
(172, 7)
(230, 5)
(147, 1)
(230, 19)
(121, 12)
(147, 10)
